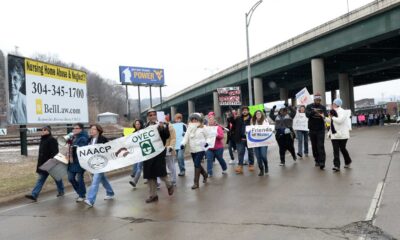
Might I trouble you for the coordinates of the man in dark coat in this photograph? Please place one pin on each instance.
(48, 148)
(156, 167)
(230, 140)
(316, 114)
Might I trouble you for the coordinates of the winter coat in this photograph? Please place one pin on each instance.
(48, 148)
(100, 139)
(316, 123)
(341, 125)
(231, 127)
(80, 140)
(156, 166)
(196, 138)
(171, 141)
(240, 128)
(219, 140)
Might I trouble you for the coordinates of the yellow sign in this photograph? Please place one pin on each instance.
(39, 106)
(128, 131)
(37, 68)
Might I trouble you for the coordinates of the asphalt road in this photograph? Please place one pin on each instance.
(297, 201)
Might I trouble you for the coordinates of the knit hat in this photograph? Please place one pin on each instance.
(151, 110)
(48, 128)
(338, 102)
(317, 96)
(211, 114)
(196, 116)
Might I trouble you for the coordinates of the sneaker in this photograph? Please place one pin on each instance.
(133, 184)
(251, 168)
(245, 163)
(224, 172)
(347, 165)
(145, 182)
(239, 169)
(60, 194)
(299, 154)
(108, 197)
(322, 167)
(181, 174)
(336, 169)
(281, 164)
(158, 186)
(294, 159)
(80, 199)
(261, 173)
(28, 196)
(231, 162)
(317, 164)
(87, 202)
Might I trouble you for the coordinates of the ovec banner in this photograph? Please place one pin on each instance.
(139, 75)
(44, 93)
(121, 152)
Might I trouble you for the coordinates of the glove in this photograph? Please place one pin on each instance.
(182, 147)
(206, 145)
(274, 107)
(286, 105)
(169, 149)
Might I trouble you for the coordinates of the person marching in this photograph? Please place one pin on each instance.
(170, 145)
(302, 136)
(284, 132)
(96, 137)
(48, 148)
(156, 166)
(180, 129)
(196, 137)
(316, 114)
(218, 150)
(240, 138)
(230, 140)
(75, 172)
(261, 152)
(339, 134)
(137, 167)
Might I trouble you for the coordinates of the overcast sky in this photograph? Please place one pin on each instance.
(191, 40)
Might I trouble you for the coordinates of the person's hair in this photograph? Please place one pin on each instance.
(80, 125)
(302, 106)
(140, 122)
(254, 119)
(178, 115)
(98, 127)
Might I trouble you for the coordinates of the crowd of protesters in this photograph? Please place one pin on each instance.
(178, 136)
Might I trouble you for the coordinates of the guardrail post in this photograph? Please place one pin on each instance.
(23, 139)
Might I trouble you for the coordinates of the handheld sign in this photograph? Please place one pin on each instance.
(260, 135)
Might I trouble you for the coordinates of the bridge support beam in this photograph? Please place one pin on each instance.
(284, 94)
(318, 77)
(351, 88)
(294, 102)
(334, 95)
(258, 91)
(191, 107)
(217, 107)
(173, 113)
(344, 89)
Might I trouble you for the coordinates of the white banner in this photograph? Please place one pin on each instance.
(300, 122)
(211, 132)
(43, 93)
(303, 97)
(137, 147)
(260, 135)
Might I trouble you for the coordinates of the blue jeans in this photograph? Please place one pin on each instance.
(180, 155)
(137, 171)
(217, 153)
(261, 155)
(94, 188)
(302, 135)
(241, 148)
(40, 182)
(197, 157)
(77, 182)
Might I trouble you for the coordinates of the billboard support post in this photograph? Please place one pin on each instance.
(161, 97)
(151, 97)
(23, 139)
(140, 105)
(128, 110)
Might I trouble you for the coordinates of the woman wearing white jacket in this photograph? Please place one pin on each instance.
(196, 137)
(339, 133)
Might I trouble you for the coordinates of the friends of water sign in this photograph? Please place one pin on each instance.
(260, 135)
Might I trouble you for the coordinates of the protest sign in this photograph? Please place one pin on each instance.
(254, 108)
(161, 116)
(121, 152)
(303, 97)
(229, 96)
(260, 135)
(128, 131)
(300, 122)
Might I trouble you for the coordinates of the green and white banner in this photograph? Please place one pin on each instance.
(137, 147)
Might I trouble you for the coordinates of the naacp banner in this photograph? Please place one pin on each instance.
(137, 147)
(43, 93)
(260, 135)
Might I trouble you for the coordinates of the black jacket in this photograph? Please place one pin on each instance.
(316, 122)
(101, 139)
(48, 148)
(156, 167)
(231, 126)
(240, 128)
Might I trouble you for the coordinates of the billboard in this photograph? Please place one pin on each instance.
(42, 93)
(229, 96)
(139, 75)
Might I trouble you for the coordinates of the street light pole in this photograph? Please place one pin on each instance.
(248, 18)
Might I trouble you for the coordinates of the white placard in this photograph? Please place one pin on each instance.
(303, 97)
(300, 122)
(121, 152)
(3, 131)
(260, 135)
(354, 119)
(161, 116)
(211, 132)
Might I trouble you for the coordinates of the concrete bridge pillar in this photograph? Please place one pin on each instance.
(284, 94)
(191, 107)
(344, 89)
(294, 102)
(318, 77)
(334, 95)
(173, 113)
(258, 91)
(351, 88)
(217, 107)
